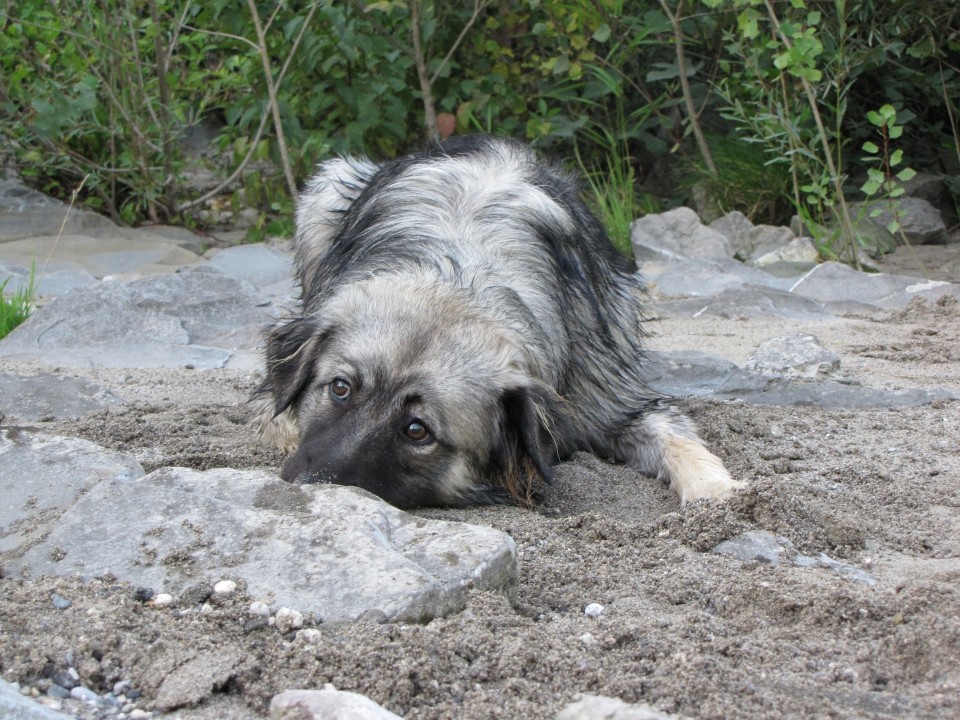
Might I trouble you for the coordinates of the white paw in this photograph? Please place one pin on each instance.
(695, 472)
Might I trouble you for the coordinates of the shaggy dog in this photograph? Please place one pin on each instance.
(464, 324)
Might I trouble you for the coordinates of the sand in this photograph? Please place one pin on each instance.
(684, 629)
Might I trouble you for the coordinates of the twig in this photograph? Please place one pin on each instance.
(426, 89)
(674, 19)
(272, 95)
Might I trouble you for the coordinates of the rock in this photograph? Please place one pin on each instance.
(14, 706)
(194, 678)
(681, 373)
(41, 476)
(763, 240)
(46, 284)
(45, 395)
(796, 251)
(736, 227)
(326, 704)
(598, 707)
(27, 213)
(841, 568)
(795, 355)
(257, 264)
(920, 221)
(296, 545)
(829, 395)
(99, 256)
(676, 234)
(593, 610)
(704, 278)
(747, 302)
(834, 282)
(163, 321)
(756, 545)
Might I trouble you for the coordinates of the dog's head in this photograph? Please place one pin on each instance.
(404, 387)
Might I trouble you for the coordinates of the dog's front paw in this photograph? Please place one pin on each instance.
(696, 473)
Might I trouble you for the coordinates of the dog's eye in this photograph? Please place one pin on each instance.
(417, 431)
(340, 389)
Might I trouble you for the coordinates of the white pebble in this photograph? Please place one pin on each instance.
(260, 608)
(82, 693)
(287, 620)
(224, 587)
(139, 714)
(163, 600)
(593, 610)
(206, 609)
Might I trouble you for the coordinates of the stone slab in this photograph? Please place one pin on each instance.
(41, 476)
(747, 302)
(99, 256)
(45, 396)
(338, 552)
(173, 320)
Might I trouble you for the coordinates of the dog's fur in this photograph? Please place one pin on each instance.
(464, 323)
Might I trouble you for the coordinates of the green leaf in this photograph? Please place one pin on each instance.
(871, 148)
(897, 192)
(870, 188)
(896, 131)
(889, 113)
(875, 118)
(602, 33)
(893, 226)
(906, 174)
(896, 158)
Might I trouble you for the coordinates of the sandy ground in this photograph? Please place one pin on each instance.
(686, 630)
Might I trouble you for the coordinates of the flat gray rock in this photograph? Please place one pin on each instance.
(173, 320)
(685, 373)
(695, 374)
(706, 278)
(792, 356)
(131, 254)
(41, 476)
(45, 396)
(677, 234)
(338, 552)
(51, 283)
(257, 264)
(26, 213)
(834, 282)
(747, 302)
(758, 545)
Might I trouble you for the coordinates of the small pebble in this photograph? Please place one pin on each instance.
(287, 620)
(225, 587)
(307, 636)
(260, 608)
(593, 610)
(139, 714)
(119, 688)
(85, 694)
(163, 600)
(60, 602)
(58, 691)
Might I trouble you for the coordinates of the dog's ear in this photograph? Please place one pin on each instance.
(526, 453)
(291, 354)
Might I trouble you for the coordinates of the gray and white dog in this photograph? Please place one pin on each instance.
(464, 323)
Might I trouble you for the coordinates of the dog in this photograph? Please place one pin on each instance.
(464, 324)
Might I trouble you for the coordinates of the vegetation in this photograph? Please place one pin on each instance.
(16, 307)
(643, 95)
